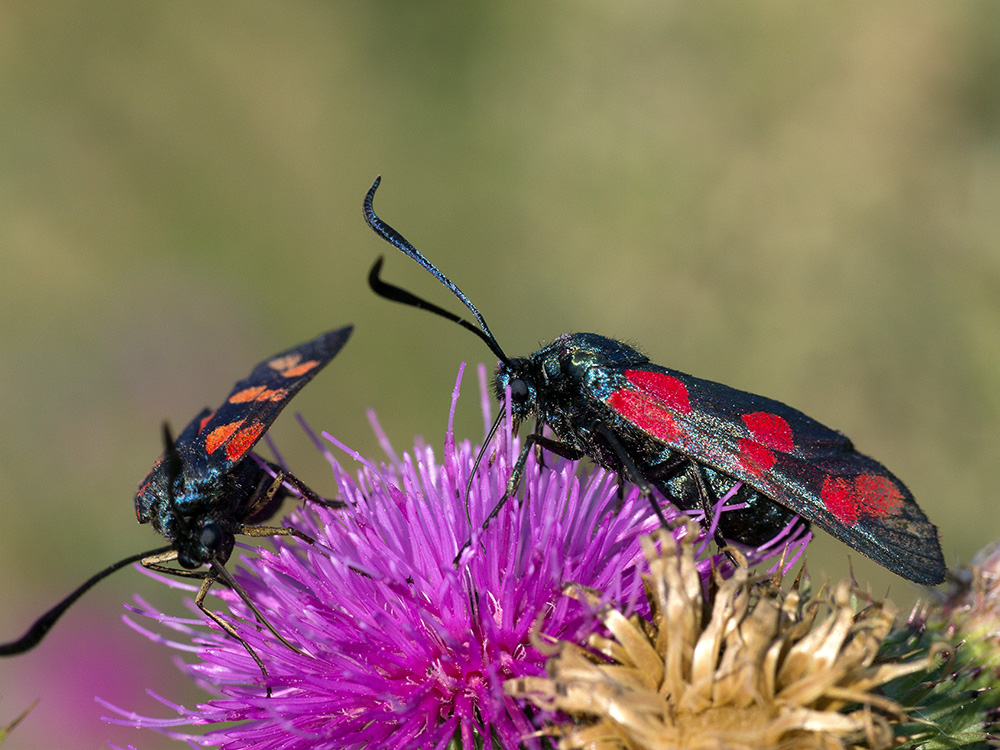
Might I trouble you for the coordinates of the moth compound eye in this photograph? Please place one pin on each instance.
(519, 391)
(188, 561)
(211, 536)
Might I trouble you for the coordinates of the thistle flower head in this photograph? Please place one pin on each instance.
(752, 668)
(399, 646)
(972, 606)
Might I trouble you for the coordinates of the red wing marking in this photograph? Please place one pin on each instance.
(664, 388)
(283, 363)
(300, 370)
(244, 440)
(220, 435)
(868, 495)
(205, 421)
(770, 430)
(645, 413)
(754, 457)
(258, 393)
(247, 394)
(292, 366)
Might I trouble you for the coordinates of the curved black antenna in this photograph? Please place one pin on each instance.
(44, 623)
(396, 294)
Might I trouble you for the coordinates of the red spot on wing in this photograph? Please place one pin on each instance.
(664, 388)
(754, 457)
(220, 435)
(770, 430)
(244, 440)
(292, 366)
(837, 497)
(258, 393)
(205, 421)
(247, 394)
(864, 496)
(645, 413)
(879, 496)
(283, 363)
(299, 370)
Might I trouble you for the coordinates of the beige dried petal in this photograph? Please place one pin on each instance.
(636, 645)
(763, 670)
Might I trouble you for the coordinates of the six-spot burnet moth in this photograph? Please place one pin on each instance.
(694, 440)
(208, 486)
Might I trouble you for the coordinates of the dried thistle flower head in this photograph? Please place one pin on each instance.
(751, 667)
(972, 606)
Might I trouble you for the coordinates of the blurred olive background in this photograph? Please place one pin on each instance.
(801, 202)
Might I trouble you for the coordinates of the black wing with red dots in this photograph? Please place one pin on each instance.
(212, 447)
(255, 402)
(787, 456)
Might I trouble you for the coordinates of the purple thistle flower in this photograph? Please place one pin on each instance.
(400, 647)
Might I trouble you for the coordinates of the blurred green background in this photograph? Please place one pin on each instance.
(796, 201)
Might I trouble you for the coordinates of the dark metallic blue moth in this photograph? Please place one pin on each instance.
(208, 486)
(694, 439)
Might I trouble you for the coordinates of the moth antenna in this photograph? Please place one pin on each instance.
(44, 623)
(397, 294)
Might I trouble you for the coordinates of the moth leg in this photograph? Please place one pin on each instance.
(706, 499)
(217, 572)
(209, 577)
(252, 530)
(665, 470)
(542, 442)
(248, 530)
(155, 563)
(265, 500)
(539, 453)
(631, 472)
(533, 439)
(708, 502)
(282, 477)
(199, 600)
